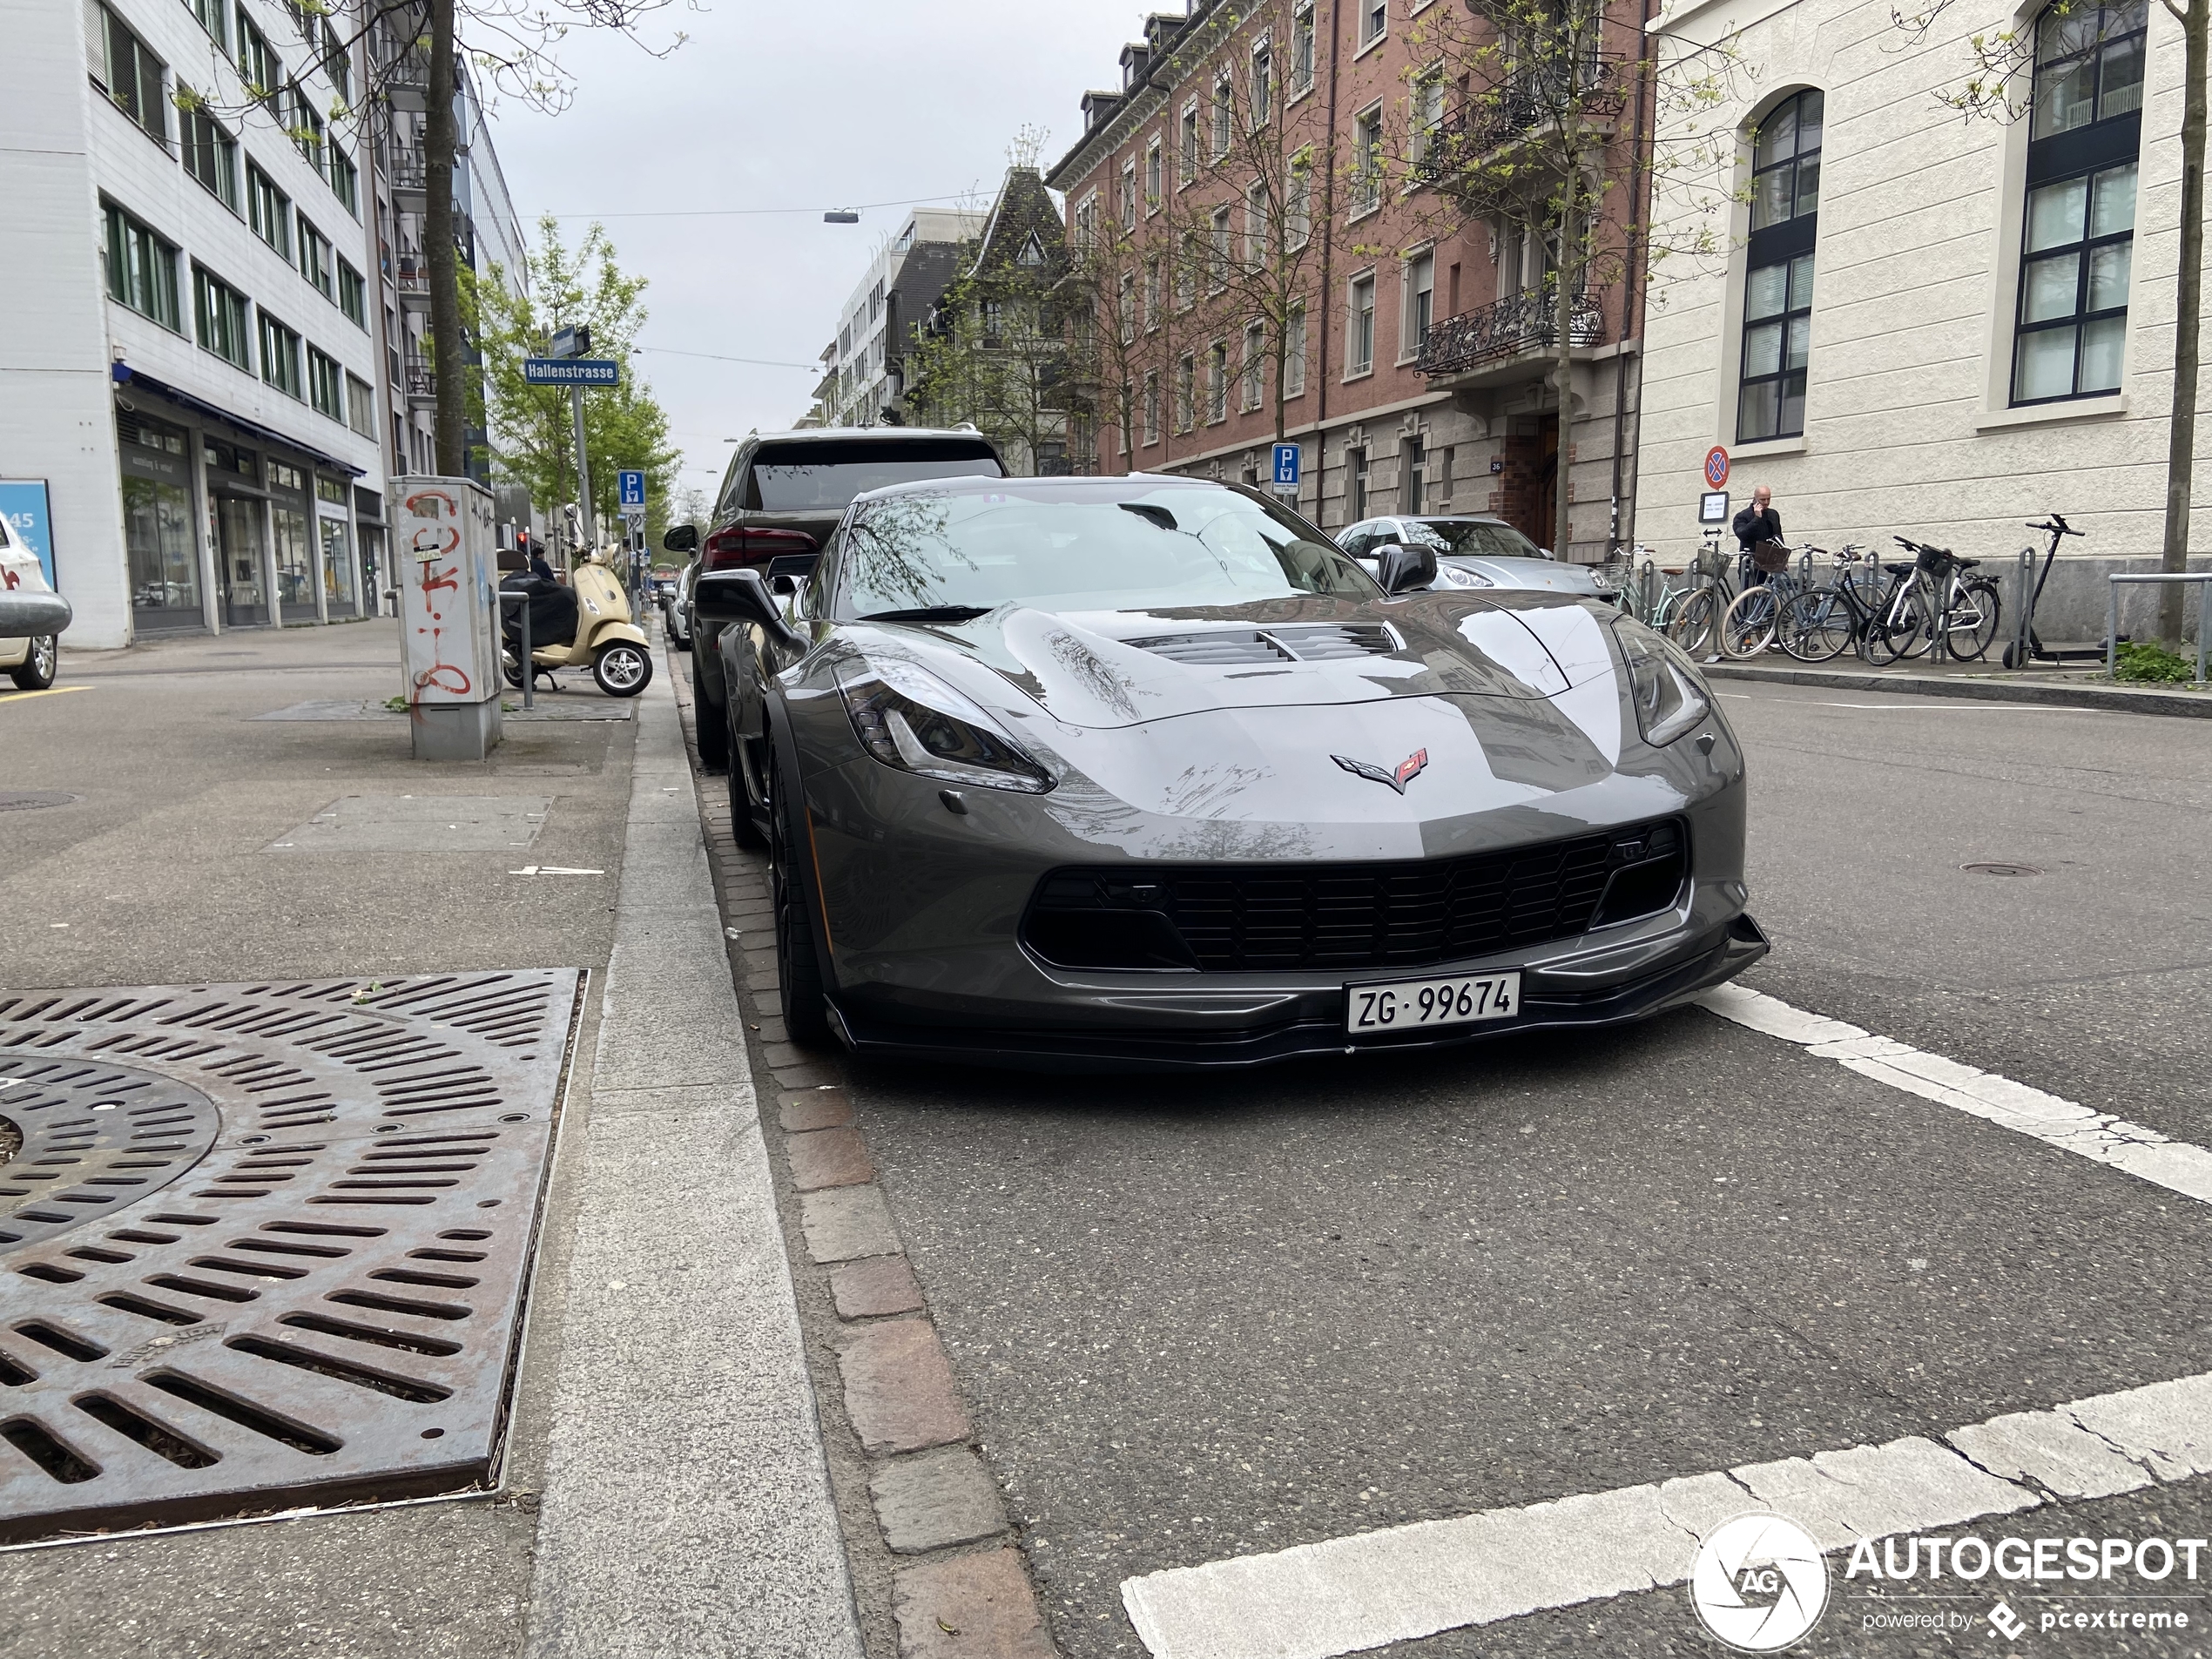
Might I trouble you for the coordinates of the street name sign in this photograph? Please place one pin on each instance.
(571, 371)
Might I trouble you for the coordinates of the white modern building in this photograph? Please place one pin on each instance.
(1917, 323)
(193, 393)
(862, 367)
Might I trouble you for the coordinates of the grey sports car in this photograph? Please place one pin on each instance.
(1145, 771)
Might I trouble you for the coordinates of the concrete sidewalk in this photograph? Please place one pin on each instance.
(663, 1487)
(1979, 681)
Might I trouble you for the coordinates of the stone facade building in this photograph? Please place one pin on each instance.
(1405, 342)
(1920, 323)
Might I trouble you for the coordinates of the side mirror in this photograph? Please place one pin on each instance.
(742, 596)
(681, 538)
(1400, 569)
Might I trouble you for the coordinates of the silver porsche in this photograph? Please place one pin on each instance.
(1147, 773)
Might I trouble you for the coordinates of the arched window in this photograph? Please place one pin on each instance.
(2078, 231)
(1778, 280)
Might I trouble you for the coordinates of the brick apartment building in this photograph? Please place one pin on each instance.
(1409, 345)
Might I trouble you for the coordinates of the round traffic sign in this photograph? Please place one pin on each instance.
(1715, 467)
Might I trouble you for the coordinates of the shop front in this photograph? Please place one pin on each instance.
(158, 539)
(333, 540)
(237, 507)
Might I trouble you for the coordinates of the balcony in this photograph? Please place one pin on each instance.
(410, 175)
(1595, 90)
(1475, 344)
(420, 381)
(411, 278)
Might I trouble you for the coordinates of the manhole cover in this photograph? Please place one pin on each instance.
(267, 1244)
(24, 801)
(2000, 869)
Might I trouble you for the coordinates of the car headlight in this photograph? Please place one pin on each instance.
(905, 717)
(1667, 690)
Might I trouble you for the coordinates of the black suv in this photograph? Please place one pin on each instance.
(783, 495)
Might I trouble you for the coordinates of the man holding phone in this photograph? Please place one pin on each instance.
(1758, 530)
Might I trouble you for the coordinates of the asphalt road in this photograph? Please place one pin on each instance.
(1204, 1319)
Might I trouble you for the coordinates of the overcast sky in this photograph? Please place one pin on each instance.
(806, 106)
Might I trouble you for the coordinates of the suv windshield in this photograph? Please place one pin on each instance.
(1472, 538)
(1076, 550)
(803, 477)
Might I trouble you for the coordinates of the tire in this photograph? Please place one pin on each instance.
(799, 973)
(513, 673)
(40, 664)
(623, 669)
(1971, 636)
(1691, 626)
(1817, 626)
(743, 830)
(711, 724)
(1747, 627)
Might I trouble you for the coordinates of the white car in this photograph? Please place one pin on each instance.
(31, 615)
(1473, 550)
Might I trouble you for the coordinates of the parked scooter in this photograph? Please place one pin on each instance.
(598, 627)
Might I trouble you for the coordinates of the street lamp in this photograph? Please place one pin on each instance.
(841, 216)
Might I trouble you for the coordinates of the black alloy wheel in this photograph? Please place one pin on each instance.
(799, 974)
(40, 664)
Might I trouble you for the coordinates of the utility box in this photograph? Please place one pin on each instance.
(447, 569)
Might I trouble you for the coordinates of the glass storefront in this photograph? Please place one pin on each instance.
(339, 587)
(295, 553)
(163, 554)
(236, 503)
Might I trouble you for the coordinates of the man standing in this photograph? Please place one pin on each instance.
(1758, 530)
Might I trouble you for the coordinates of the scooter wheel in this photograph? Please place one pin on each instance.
(2012, 657)
(514, 674)
(622, 669)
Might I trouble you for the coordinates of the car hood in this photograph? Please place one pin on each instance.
(1125, 668)
(1545, 574)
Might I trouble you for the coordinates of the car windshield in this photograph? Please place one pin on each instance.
(803, 477)
(1474, 538)
(1076, 550)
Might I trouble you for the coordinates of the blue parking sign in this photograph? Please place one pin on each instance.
(1288, 457)
(632, 488)
(23, 503)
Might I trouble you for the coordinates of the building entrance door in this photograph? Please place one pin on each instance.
(238, 561)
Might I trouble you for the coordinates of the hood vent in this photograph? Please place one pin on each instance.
(1241, 648)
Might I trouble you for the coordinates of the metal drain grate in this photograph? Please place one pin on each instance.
(264, 1245)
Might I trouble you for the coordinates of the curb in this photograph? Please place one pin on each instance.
(2127, 699)
(933, 1557)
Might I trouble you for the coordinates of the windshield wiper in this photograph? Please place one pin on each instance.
(931, 613)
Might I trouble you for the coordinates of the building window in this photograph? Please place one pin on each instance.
(1151, 294)
(345, 180)
(1257, 229)
(1294, 355)
(1355, 484)
(1186, 271)
(269, 210)
(1152, 407)
(1374, 21)
(1413, 492)
(1128, 195)
(1428, 114)
(1302, 47)
(2078, 231)
(361, 407)
(1126, 325)
(1218, 251)
(1297, 216)
(1777, 282)
(257, 66)
(332, 61)
(1186, 374)
(1263, 81)
(1086, 223)
(315, 259)
(141, 269)
(211, 155)
(1224, 116)
(306, 128)
(128, 73)
(214, 16)
(353, 294)
(220, 312)
(1359, 333)
(1367, 162)
(1187, 160)
(1153, 176)
(281, 357)
(1217, 383)
(1420, 309)
(1254, 377)
(326, 385)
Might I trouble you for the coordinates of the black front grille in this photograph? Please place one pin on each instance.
(1224, 919)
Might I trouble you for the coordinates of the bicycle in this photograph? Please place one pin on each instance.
(1826, 621)
(1695, 623)
(1753, 615)
(1935, 599)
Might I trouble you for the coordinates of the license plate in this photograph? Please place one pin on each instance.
(1412, 1003)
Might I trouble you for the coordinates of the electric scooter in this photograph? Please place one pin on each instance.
(2026, 645)
(604, 635)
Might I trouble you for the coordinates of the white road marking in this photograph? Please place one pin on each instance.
(2178, 1166)
(1400, 1583)
(1317, 1600)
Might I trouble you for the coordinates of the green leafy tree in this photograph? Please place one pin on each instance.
(533, 426)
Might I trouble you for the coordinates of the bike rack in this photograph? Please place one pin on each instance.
(529, 668)
(2112, 613)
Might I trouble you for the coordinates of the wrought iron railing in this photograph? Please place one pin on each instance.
(421, 379)
(1594, 88)
(410, 167)
(1517, 324)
